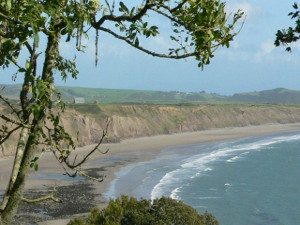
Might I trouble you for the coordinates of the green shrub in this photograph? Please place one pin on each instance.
(130, 211)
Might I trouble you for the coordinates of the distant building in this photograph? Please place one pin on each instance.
(79, 100)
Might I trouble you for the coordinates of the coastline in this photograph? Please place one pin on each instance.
(133, 151)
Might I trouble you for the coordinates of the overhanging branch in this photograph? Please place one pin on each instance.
(75, 164)
(149, 52)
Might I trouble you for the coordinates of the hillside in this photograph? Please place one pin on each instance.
(279, 95)
(105, 96)
(101, 95)
(137, 120)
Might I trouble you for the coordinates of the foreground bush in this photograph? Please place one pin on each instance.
(130, 211)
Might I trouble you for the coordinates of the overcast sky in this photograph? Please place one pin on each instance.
(252, 62)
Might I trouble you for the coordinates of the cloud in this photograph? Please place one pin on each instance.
(235, 54)
(250, 10)
(295, 46)
(267, 47)
(268, 53)
(266, 50)
(159, 44)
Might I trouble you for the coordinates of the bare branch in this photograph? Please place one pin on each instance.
(3, 153)
(50, 197)
(42, 199)
(2, 140)
(75, 165)
(15, 63)
(168, 16)
(149, 52)
(7, 119)
(80, 172)
(108, 6)
(14, 110)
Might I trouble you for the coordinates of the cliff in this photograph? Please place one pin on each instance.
(130, 120)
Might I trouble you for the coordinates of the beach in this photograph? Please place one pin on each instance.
(130, 151)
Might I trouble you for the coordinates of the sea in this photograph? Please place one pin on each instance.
(249, 181)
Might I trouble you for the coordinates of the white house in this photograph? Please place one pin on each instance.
(79, 100)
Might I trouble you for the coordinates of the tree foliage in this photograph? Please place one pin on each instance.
(290, 35)
(129, 211)
(34, 29)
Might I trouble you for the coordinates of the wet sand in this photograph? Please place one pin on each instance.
(79, 195)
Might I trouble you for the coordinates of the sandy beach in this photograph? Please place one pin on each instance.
(78, 195)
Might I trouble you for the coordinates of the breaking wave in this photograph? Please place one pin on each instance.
(172, 182)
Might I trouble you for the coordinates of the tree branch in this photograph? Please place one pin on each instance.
(108, 6)
(9, 134)
(29, 48)
(169, 17)
(75, 165)
(127, 18)
(179, 6)
(15, 111)
(49, 197)
(7, 119)
(152, 53)
(82, 173)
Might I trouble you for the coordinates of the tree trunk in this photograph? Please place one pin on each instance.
(15, 193)
(17, 163)
(27, 148)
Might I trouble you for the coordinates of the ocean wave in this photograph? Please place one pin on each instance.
(237, 157)
(175, 192)
(169, 178)
(195, 175)
(196, 165)
(223, 152)
(208, 169)
(233, 159)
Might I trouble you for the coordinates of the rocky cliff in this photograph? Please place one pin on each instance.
(130, 121)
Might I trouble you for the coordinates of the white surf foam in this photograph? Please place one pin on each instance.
(198, 164)
(208, 169)
(236, 158)
(233, 159)
(175, 192)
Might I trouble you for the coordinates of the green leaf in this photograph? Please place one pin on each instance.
(123, 8)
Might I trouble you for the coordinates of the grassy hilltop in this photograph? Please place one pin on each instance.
(100, 95)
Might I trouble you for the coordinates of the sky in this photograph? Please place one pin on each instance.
(252, 63)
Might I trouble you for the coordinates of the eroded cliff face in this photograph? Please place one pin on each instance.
(130, 121)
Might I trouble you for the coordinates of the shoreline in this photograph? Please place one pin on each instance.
(132, 151)
(146, 148)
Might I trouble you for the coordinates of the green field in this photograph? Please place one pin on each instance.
(104, 96)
